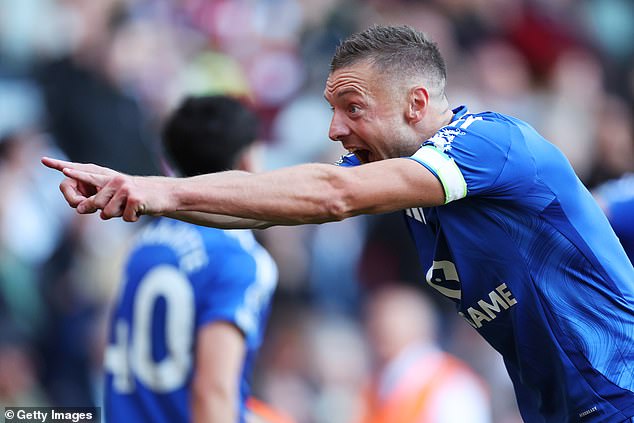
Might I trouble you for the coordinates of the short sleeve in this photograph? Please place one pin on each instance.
(478, 155)
(445, 169)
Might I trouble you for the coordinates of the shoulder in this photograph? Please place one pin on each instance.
(244, 241)
(244, 251)
(474, 129)
(480, 153)
(227, 241)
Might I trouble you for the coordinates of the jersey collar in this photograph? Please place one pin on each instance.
(459, 112)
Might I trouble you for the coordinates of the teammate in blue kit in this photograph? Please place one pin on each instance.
(191, 313)
(616, 197)
(500, 219)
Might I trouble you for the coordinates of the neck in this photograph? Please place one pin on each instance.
(436, 119)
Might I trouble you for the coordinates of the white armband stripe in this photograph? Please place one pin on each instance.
(446, 169)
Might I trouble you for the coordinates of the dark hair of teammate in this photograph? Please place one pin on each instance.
(206, 134)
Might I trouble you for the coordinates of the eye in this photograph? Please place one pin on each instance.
(353, 108)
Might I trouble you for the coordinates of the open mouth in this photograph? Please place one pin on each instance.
(362, 155)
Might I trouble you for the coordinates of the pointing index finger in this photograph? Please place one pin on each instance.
(60, 165)
(55, 163)
(94, 179)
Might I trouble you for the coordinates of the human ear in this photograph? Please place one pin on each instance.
(417, 104)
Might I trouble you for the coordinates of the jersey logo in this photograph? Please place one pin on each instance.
(488, 308)
(417, 214)
(588, 411)
(443, 277)
(442, 139)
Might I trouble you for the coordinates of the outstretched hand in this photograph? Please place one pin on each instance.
(88, 188)
(75, 191)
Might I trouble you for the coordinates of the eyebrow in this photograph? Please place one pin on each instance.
(345, 91)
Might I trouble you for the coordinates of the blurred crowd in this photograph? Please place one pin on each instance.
(93, 80)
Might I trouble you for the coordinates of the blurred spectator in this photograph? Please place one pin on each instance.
(569, 115)
(282, 372)
(38, 293)
(414, 380)
(19, 386)
(614, 141)
(31, 219)
(339, 377)
(303, 368)
(90, 117)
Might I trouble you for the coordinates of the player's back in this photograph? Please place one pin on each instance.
(178, 278)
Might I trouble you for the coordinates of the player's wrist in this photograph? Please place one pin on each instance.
(158, 196)
(179, 196)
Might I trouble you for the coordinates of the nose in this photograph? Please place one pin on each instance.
(338, 127)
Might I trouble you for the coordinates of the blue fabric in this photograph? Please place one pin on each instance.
(348, 160)
(531, 262)
(617, 197)
(180, 277)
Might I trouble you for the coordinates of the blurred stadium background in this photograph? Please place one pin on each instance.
(93, 80)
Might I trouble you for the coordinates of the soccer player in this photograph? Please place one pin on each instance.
(194, 303)
(504, 226)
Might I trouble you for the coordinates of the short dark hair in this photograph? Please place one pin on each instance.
(394, 49)
(206, 134)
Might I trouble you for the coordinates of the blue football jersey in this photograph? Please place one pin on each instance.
(533, 265)
(178, 278)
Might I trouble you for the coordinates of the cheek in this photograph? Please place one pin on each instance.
(383, 136)
(372, 130)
